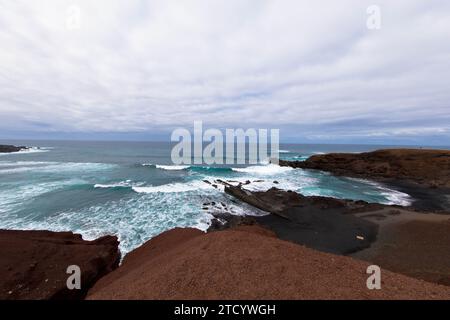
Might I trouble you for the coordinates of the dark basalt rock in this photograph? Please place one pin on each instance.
(322, 223)
(225, 220)
(10, 148)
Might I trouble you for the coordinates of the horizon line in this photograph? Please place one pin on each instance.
(168, 141)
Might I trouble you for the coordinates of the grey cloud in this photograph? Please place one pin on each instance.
(308, 67)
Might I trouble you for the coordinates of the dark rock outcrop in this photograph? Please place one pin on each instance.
(33, 264)
(322, 223)
(226, 220)
(9, 148)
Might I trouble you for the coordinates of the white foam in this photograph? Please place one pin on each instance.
(284, 151)
(56, 167)
(270, 169)
(27, 151)
(148, 164)
(23, 163)
(166, 167)
(121, 184)
(15, 197)
(173, 187)
(171, 167)
(203, 222)
(398, 198)
(394, 197)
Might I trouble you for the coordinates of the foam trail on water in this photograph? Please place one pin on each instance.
(121, 184)
(28, 151)
(174, 187)
(270, 169)
(394, 197)
(172, 167)
(167, 167)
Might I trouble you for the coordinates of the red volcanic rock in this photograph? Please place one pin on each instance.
(247, 263)
(33, 264)
(426, 167)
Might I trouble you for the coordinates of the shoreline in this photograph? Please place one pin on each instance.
(424, 174)
(336, 236)
(12, 149)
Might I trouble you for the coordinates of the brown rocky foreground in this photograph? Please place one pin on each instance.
(247, 262)
(33, 264)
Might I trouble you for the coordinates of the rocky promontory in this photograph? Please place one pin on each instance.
(423, 174)
(10, 148)
(33, 264)
(426, 167)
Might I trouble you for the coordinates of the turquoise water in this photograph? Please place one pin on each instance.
(130, 189)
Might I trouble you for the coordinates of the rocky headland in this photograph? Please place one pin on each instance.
(423, 174)
(10, 148)
(426, 167)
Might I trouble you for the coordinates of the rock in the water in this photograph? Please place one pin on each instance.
(9, 148)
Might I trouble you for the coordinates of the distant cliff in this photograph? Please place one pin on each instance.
(430, 168)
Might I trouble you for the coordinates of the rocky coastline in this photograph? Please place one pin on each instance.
(303, 248)
(423, 174)
(11, 148)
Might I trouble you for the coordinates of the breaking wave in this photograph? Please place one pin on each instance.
(270, 169)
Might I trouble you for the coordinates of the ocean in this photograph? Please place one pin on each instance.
(132, 190)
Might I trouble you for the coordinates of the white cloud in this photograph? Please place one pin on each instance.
(144, 65)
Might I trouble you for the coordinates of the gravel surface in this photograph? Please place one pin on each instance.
(247, 263)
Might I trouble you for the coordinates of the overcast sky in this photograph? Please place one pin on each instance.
(138, 69)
